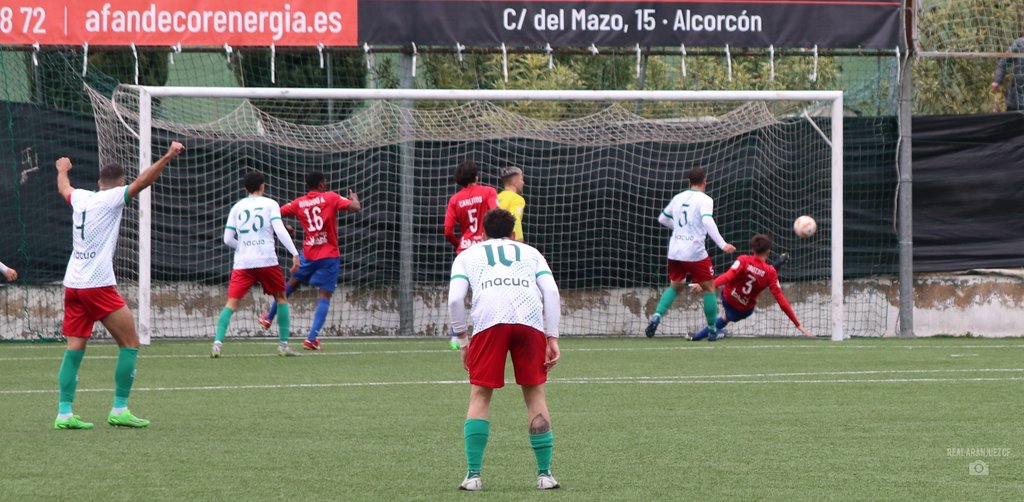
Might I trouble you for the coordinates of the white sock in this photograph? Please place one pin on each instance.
(118, 411)
(64, 416)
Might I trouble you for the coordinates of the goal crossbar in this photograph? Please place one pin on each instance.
(146, 93)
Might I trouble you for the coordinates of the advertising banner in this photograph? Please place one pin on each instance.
(652, 23)
(490, 23)
(188, 22)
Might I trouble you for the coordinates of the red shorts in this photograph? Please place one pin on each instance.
(487, 349)
(270, 278)
(698, 271)
(83, 307)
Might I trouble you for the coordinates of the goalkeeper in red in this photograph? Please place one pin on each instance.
(515, 311)
(744, 282)
(319, 266)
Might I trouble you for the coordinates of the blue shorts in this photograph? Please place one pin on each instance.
(320, 273)
(732, 314)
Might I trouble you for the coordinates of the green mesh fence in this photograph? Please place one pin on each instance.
(45, 113)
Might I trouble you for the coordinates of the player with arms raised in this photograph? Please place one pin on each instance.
(90, 292)
(317, 211)
(744, 282)
(514, 298)
(252, 224)
(467, 207)
(690, 217)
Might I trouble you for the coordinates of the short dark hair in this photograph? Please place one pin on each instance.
(697, 176)
(761, 243)
(499, 223)
(466, 172)
(253, 181)
(111, 174)
(314, 179)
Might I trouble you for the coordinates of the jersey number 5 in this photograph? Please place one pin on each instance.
(473, 221)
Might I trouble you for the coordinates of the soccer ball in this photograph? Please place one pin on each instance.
(805, 226)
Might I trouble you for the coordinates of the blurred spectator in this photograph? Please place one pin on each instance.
(1015, 89)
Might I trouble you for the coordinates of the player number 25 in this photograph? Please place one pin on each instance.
(256, 225)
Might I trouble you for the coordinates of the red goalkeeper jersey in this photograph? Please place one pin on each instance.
(318, 214)
(746, 279)
(467, 208)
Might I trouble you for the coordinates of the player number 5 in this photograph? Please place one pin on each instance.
(473, 221)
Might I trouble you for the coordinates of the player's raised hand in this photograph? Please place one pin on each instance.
(805, 331)
(175, 149)
(63, 165)
(552, 354)
(729, 248)
(11, 274)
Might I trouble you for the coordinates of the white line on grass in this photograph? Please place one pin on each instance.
(822, 345)
(663, 380)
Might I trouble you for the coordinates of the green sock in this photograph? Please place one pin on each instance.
(68, 379)
(475, 431)
(710, 310)
(223, 322)
(542, 445)
(284, 322)
(667, 298)
(124, 376)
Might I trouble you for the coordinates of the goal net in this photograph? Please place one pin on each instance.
(599, 168)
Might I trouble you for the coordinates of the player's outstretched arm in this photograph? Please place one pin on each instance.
(666, 220)
(230, 238)
(8, 272)
(552, 317)
(712, 228)
(353, 206)
(286, 239)
(150, 175)
(63, 181)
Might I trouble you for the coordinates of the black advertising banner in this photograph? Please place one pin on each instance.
(660, 23)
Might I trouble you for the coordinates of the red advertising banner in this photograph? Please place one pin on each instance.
(188, 22)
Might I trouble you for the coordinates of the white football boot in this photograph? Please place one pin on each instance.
(472, 484)
(547, 482)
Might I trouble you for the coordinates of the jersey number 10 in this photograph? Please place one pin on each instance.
(501, 255)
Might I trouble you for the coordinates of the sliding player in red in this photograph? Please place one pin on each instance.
(743, 282)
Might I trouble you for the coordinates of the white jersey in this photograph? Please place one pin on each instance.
(96, 218)
(688, 210)
(251, 219)
(502, 274)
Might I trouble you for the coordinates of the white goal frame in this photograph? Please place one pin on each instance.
(146, 93)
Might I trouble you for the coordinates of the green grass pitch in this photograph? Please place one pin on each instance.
(634, 419)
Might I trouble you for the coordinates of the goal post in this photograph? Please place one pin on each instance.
(147, 121)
